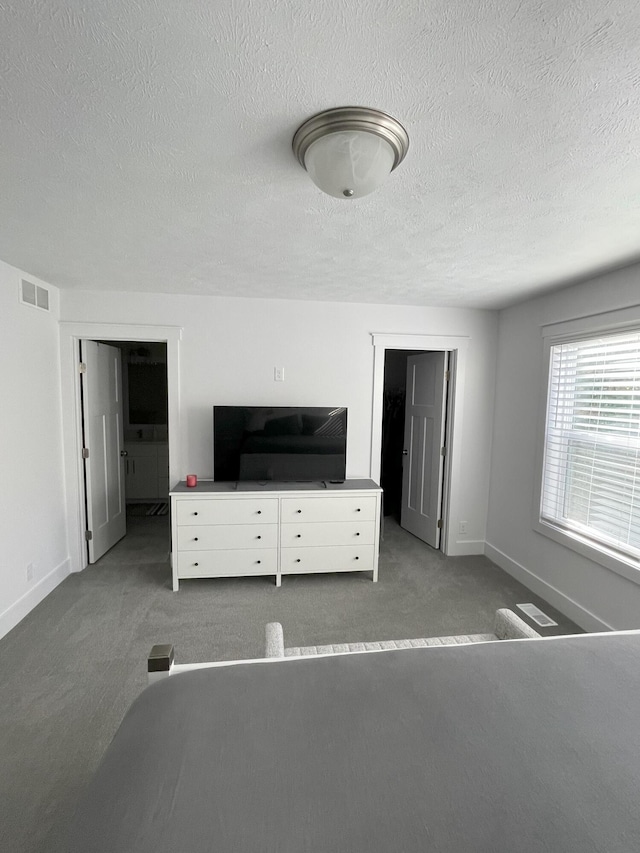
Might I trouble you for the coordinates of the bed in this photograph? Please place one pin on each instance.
(518, 745)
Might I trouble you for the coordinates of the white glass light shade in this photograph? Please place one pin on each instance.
(349, 163)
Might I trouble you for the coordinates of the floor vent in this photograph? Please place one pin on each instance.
(34, 295)
(537, 615)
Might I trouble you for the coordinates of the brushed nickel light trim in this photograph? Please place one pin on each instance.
(356, 119)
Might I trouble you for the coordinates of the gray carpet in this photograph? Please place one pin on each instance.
(69, 671)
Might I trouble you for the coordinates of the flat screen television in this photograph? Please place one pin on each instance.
(280, 443)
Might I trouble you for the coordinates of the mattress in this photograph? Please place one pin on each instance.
(500, 747)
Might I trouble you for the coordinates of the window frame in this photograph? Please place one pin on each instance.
(580, 329)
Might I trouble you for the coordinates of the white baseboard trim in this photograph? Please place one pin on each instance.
(562, 602)
(467, 548)
(16, 612)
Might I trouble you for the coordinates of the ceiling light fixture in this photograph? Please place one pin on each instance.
(350, 151)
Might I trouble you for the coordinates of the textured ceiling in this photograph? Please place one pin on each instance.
(147, 146)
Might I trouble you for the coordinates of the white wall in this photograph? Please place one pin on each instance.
(592, 595)
(32, 499)
(230, 347)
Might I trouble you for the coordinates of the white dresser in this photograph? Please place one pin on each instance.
(236, 530)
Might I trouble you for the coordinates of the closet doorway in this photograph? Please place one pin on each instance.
(452, 482)
(413, 440)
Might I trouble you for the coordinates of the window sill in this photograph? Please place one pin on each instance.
(627, 567)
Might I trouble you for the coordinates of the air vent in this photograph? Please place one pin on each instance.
(34, 295)
(42, 298)
(537, 615)
(28, 293)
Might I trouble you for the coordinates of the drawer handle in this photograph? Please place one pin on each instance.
(298, 560)
(195, 513)
(195, 538)
(356, 558)
(298, 535)
(258, 561)
(358, 510)
(259, 512)
(195, 564)
(258, 537)
(299, 510)
(357, 534)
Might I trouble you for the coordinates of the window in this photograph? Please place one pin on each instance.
(591, 469)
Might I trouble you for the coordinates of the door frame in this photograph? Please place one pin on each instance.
(70, 336)
(458, 348)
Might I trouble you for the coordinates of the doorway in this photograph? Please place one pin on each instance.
(146, 428)
(414, 419)
(110, 333)
(124, 407)
(453, 482)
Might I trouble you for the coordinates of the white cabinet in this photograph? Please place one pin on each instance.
(146, 471)
(141, 477)
(219, 531)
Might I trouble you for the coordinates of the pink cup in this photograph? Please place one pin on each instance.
(192, 479)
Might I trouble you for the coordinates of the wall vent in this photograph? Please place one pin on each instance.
(34, 295)
(537, 615)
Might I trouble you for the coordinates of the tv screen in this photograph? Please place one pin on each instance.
(279, 443)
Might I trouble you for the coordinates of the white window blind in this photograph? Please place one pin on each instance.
(591, 473)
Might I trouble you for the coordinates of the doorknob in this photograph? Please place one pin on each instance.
(123, 453)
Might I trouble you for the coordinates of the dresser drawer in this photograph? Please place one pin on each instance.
(346, 558)
(227, 511)
(329, 509)
(327, 533)
(220, 564)
(227, 536)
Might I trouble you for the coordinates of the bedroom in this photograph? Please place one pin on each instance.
(231, 343)
(591, 595)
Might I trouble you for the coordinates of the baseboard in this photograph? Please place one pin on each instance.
(16, 612)
(562, 602)
(467, 548)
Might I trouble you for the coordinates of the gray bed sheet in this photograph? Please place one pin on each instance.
(502, 747)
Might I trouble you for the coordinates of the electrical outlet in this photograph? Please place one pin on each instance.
(29, 572)
(278, 374)
(463, 527)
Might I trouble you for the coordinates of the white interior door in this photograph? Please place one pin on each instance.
(103, 439)
(423, 458)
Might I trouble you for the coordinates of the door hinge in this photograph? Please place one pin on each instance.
(439, 524)
(88, 535)
(446, 375)
(443, 451)
(85, 452)
(82, 367)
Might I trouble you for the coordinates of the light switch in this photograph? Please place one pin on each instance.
(278, 374)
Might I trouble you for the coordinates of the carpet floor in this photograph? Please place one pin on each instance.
(71, 668)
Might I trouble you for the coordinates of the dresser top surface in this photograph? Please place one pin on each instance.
(208, 487)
